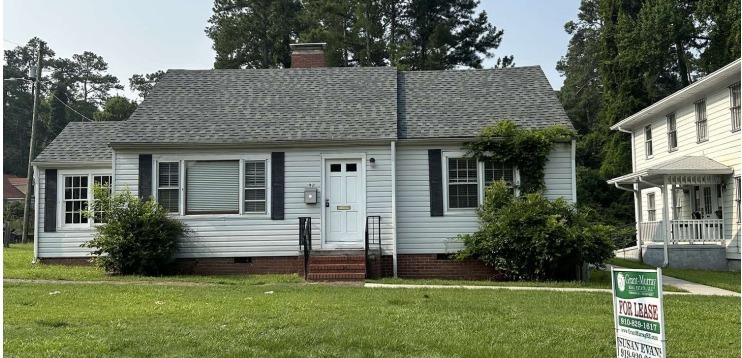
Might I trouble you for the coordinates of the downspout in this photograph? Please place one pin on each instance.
(665, 232)
(394, 206)
(36, 227)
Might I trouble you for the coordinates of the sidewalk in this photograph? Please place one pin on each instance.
(692, 287)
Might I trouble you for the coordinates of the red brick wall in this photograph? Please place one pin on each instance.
(307, 60)
(228, 266)
(67, 261)
(428, 266)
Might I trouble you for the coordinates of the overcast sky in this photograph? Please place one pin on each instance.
(142, 36)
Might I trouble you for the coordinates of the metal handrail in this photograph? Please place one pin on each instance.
(305, 240)
(375, 225)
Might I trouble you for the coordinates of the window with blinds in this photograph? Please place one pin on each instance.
(212, 187)
(701, 122)
(168, 186)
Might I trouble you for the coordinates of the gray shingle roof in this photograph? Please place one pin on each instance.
(691, 164)
(81, 142)
(242, 106)
(453, 104)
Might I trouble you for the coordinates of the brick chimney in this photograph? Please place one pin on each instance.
(308, 55)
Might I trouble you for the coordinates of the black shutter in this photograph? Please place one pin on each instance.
(50, 200)
(278, 184)
(145, 176)
(435, 173)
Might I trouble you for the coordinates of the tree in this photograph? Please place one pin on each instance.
(116, 109)
(254, 33)
(443, 34)
(143, 84)
(89, 79)
(57, 118)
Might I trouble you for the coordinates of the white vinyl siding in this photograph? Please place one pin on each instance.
(701, 122)
(212, 187)
(420, 233)
(723, 146)
(734, 106)
(648, 140)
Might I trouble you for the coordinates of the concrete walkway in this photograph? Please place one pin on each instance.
(691, 287)
(511, 288)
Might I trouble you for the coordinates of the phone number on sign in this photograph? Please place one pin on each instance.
(634, 323)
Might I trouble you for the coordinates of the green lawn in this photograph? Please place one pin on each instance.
(316, 320)
(721, 279)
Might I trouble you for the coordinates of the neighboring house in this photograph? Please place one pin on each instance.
(686, 179)
(20, 183)
(10, 191)
(241, 155)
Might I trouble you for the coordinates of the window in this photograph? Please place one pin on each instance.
(463, 185)
(212, 187)
(496, 171)
(255, 187)
(168, 186)
(648, 140)
(677, 200)
(738, 197)
(707, 201)
(672, 133)
(77, 197)
(701, 121)
(734, 104)
(651, 211)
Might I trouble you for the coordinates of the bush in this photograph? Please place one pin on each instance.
(533, 238)
(137, 237)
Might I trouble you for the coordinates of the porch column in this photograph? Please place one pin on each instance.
(665, 220)
(638, 206)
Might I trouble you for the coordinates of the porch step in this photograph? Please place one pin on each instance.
(349, 259)
(337, 268)
(335, 276)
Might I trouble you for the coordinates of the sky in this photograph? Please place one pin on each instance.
(143, 36)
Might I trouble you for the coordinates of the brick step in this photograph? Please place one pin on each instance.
(333, 276)
(337, 259)
(358, 268)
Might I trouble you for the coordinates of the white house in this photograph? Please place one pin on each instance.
(242, 156)
(686, 174)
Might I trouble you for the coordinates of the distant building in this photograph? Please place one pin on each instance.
(11, 192)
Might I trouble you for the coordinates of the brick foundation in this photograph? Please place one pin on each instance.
(429, 266)
(231, 266)
(67, 261)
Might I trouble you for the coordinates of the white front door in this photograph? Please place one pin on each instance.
(344, 203)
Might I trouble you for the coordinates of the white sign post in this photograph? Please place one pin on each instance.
(639, 316)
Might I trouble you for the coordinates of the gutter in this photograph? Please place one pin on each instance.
(394, 206)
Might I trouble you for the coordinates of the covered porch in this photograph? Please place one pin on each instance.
(680, 201)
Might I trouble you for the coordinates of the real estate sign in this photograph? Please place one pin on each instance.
(638, 313)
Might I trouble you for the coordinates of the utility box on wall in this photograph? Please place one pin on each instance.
(310, 195)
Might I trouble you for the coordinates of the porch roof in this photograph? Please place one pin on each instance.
(686, 166)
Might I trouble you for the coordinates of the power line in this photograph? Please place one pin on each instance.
(72, 109)
(13, 42)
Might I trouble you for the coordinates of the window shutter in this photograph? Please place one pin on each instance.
(278, 169)
(435, 174)
(50, 200)
(145, 176)
(213, 187)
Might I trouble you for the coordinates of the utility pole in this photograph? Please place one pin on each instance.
(29, 176)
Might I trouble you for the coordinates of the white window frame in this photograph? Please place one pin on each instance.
(701, 122)
(734, 108)
(648, 149)
(738, 197)
(672, 131)
(480, 183)
(156, 182)
(651, 207)
(90, 173)
(183, 159)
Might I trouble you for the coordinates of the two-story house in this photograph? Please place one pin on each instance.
(686, 174)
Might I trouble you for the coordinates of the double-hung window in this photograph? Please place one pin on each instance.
(648, 140)
(255, 187)
(672, 133)
(76, 199)
(651, 211)
(734, 105)
(212, 187)
(463, 183)
(738, 197)
(168, 186)
(701, 121)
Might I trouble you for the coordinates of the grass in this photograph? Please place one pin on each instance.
(17, 264)
(316, 320)
(722, 279)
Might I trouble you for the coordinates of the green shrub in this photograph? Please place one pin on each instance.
(137, 237)
(533, 238)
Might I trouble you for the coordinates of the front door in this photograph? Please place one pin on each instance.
(706, 201)
(343, 202)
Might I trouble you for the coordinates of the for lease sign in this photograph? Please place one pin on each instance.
(638, 313)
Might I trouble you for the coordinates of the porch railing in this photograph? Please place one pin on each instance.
(685, 231)
(305, 241)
